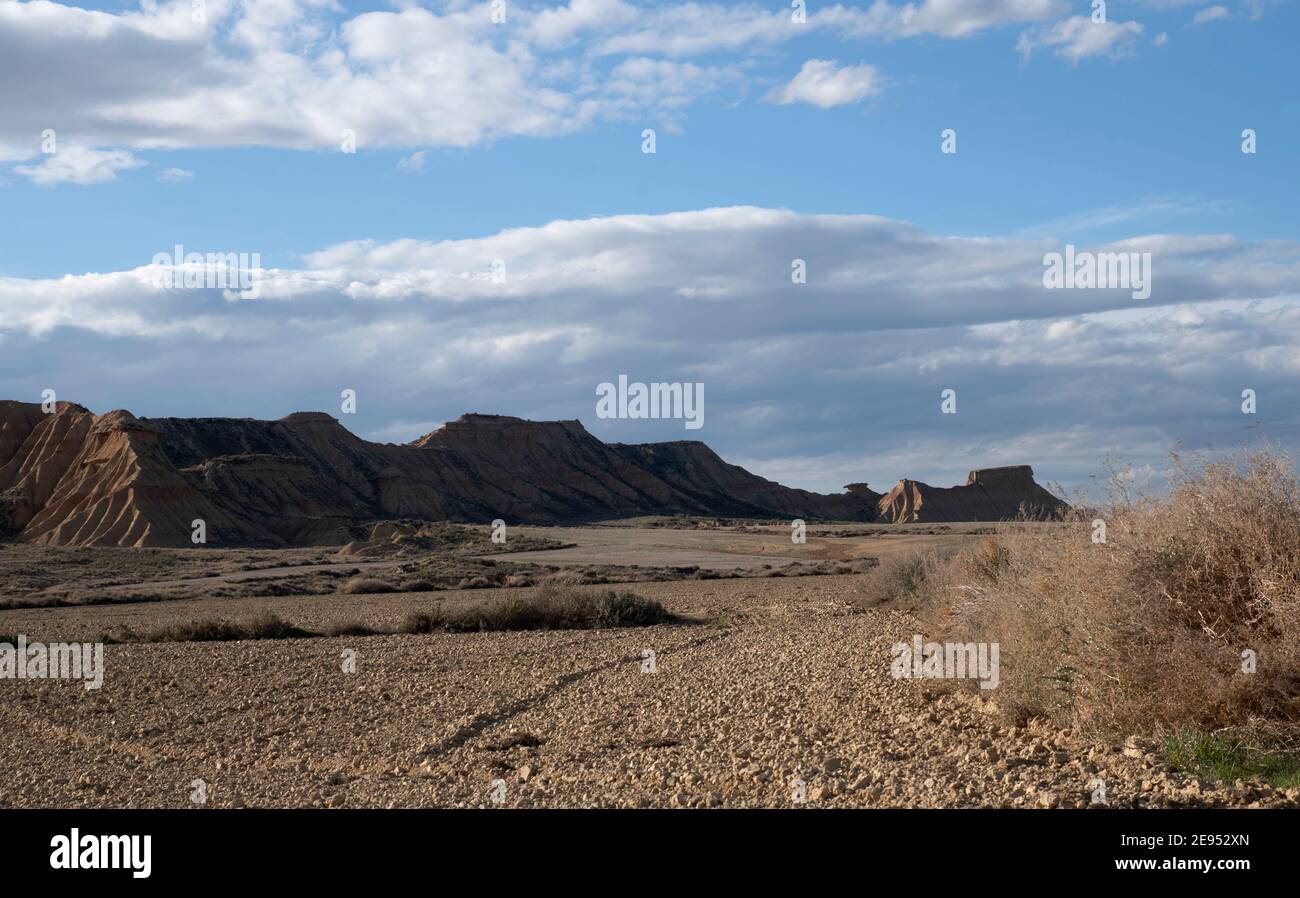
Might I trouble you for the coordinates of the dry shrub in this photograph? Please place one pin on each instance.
(350, 628)
(420, 622)
(565, 577)
(553, 607)
(265, 626)
(366, 586)
(1145, 632)
(898, 580)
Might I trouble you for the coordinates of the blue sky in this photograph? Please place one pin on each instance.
(224, 138)
(1040, 142)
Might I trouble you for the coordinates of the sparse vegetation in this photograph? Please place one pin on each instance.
(555, 606)
(419, 622)
(351, 628)
(367, 586)
(1224, 758)
(897, 580)
(1155, 629)
(264, 626)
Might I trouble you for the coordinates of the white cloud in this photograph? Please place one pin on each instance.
(639, 81)
(1078, 37)
(1210, 14)
(821, 83)
(298, 73)
(954, 18)
(1160, 39)
(78, 165)
(412, 164)
(174, 175)
(891, 314)
(559, 26)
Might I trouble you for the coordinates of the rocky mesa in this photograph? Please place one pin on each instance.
(71, 477)
(989, 494)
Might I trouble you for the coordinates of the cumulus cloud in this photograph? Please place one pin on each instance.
(818, 384)
(78, 165)
(1210, 14)
(299, 73)
(1078, 37)
(174, 175)
(821, 82)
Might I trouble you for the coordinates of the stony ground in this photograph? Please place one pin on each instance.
(777, 680)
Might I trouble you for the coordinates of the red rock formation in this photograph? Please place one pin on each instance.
(73, 478)
(82, 479)
(989, 494)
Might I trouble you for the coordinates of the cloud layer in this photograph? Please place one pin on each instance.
(817, 384)
(301, 74)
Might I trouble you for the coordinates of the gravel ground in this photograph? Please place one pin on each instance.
(778, 680)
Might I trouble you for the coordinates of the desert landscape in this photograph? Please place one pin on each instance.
(426, 421)
(674, 656)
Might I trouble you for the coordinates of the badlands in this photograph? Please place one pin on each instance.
(309, 655)
(770, 688)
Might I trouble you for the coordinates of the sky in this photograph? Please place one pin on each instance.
(453, 210)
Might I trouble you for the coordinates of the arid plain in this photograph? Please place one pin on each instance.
(770, 687)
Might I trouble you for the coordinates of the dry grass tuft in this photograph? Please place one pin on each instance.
(899, 580)
(264, 626)
(555, 606)
(366, 586)
(1146, 631)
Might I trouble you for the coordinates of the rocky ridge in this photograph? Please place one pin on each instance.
(71, 477)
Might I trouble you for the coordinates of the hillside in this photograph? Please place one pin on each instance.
(75, 478)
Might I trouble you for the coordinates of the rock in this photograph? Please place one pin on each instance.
(76, 478)
(989, 494)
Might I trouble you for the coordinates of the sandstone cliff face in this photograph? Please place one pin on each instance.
(75, 478)
(989, 494)
(84, 479)
(36, 450)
